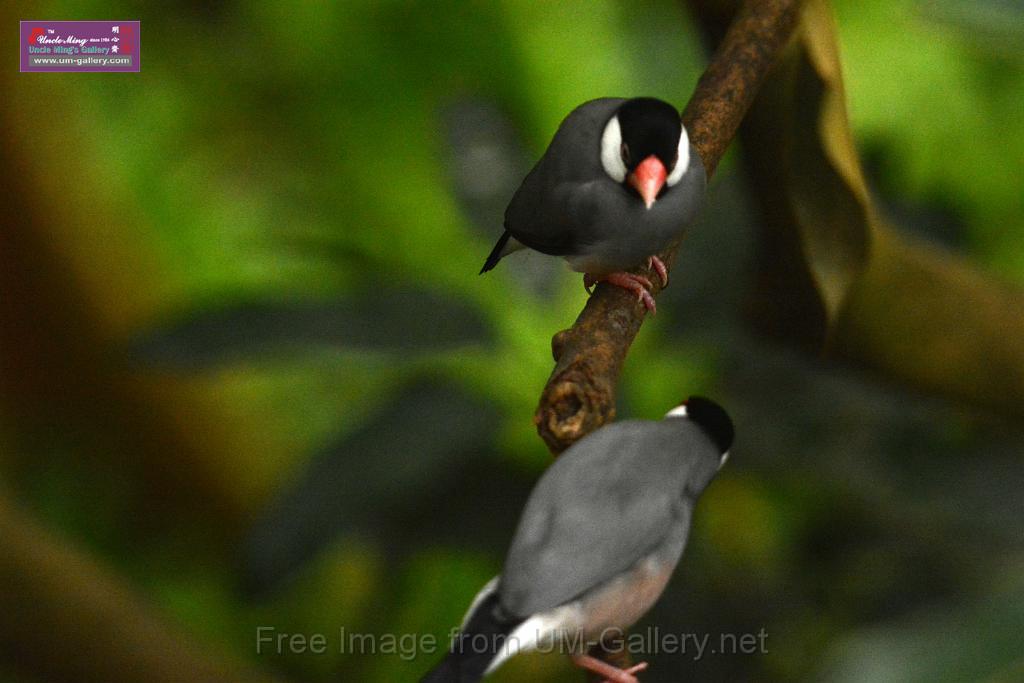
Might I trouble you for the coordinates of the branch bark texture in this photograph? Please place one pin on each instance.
(580, 394)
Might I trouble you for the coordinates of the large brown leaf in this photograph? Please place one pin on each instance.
(835, 276)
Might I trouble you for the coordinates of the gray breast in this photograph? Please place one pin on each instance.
(620, 232)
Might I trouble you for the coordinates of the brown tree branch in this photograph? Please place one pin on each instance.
(580, 394)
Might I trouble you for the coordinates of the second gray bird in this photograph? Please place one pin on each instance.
(619, 181)
(596, 544)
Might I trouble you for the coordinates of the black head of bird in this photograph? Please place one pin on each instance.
(645, 146)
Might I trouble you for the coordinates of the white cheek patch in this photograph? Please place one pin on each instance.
(682, 161)
(611, 151)
(678, 411)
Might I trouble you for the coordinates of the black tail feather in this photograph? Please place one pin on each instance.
(476, 645)
(495, 256)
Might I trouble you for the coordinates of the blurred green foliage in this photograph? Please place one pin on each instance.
(938, 89)
(273, 153)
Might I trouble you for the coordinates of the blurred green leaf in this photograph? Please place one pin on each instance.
(390, 320)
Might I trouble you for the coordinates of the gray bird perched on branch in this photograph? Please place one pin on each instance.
(619, 181)
(597, 542)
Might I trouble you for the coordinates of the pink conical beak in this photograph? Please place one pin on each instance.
(648, 178)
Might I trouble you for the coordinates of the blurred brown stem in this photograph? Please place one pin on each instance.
(931, 320)
(63, 617)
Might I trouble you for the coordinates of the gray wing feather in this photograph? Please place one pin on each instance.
(537, 215)
(603, 505)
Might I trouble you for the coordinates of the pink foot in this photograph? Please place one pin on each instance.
(637, 284)
(635, 669)
(659, 267)
(611, 673)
